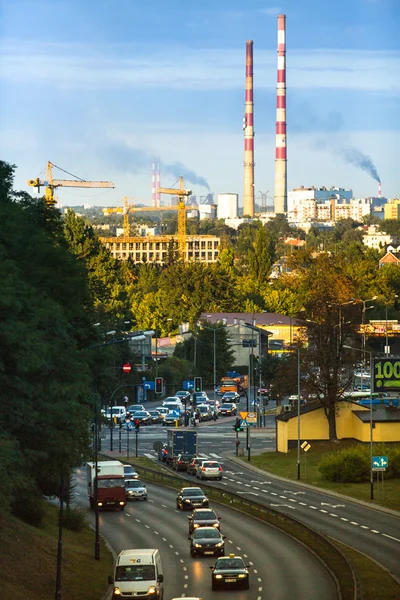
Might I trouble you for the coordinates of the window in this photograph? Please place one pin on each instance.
(135, 573)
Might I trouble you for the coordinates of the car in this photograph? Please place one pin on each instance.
(230, 571)
(207, 540)
(170, 419)
(175, 406)
(135, 489)
(227, 409)
(181, 461)
(135, 407)
(130, 473)
(142, 416)
(163, 453)
(192, 466)
(191, 497)
(218, 390)
(231, 397)
(204, 411)
(116, 413)
(199, 398)
(162, 410)
(183, 395)
(202, 517)
(156, 416)
(263, 392)
(209, 469)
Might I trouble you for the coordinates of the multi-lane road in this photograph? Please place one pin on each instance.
(280, 568)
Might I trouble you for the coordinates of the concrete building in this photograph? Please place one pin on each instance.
(204, 211)
(301, 196)
(203, 248)
(374, 238)
(227, 206)
(392, 209)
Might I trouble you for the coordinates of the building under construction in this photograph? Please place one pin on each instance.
(160, 248)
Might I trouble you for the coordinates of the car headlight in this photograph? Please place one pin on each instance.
(117, 591)
(205, 500)
(217, 525)
(99, 504)
(219, 544)
(242, 576)
(186, 500)
(218, 576)
(196, 525)
(196, 545)
(151, 590)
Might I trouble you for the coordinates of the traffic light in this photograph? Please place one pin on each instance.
(236, 426)
(137, 423)
(159, 385)
(198, 384)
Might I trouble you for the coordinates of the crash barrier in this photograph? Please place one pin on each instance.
(336, 562)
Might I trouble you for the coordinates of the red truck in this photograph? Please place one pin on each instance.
(110, 484)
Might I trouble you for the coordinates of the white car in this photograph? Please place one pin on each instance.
(118, 413)
(209, 469)
(174, 406)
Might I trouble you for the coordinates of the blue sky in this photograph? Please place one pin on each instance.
(98, 87)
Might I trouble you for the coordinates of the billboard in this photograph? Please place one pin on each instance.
(386, 374)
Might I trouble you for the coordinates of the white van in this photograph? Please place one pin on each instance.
(175, 406)
(138, 573)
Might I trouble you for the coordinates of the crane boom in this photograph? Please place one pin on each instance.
(50, 184)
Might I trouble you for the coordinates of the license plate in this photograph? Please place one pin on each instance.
(230, 580)
(209, 552)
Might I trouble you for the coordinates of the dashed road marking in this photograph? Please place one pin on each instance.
(343, 519)
(353, 523)
(374, 531)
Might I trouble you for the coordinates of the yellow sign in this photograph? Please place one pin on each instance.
(251, 417)
(306, 446)
(244, 415)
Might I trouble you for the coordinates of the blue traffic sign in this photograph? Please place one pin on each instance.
(380, 461)
(129, 425)
(244, 423)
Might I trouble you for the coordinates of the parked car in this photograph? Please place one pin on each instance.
(135, 489)
(156, 416)
(191, 497)
(231, 397)
(142, 416)
(181, 461)
(209, 469)
(227, 409)
(192, 466)
(207, 540)
(130, 473)
(202, 517)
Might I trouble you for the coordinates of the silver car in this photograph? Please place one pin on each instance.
(209, 469)
(135, 489)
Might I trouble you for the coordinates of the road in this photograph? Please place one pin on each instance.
(280, 568)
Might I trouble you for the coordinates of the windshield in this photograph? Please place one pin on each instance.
(203, 532)
(109, 483)
(192, 493)
(206, 515)
(226, 406)
(229, 563)
(210, 465)
(133, 484)
(116, 411)
(135, 573)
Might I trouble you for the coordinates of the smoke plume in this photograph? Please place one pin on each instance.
(135, 160)
(359, 159)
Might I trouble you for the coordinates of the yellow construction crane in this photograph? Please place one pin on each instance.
(50, 184)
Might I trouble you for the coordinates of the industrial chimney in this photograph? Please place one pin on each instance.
(153, 184)
(158, 181)
(379, 190)
(280, 197)
(248, 199)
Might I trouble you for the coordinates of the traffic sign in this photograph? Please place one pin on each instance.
(244, 415)
(306, 446)
(127, 368)
(244, 423)
(380, 462)
(129, 425)
(251, 417)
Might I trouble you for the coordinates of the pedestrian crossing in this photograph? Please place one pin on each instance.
(210, 456)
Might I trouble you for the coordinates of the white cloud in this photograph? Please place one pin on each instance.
(271, 12)
(180, 68)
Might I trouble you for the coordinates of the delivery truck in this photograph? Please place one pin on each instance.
(110, 484)
(181, 441)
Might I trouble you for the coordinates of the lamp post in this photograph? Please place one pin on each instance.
(370, 418)
(214, 330)
(387, 349)
(364, 309)
(298, 413)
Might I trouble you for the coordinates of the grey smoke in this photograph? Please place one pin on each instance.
(359, 159)
(135, 160)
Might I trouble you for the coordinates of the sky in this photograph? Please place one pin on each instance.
(99, 87)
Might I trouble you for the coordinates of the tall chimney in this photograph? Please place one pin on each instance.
(158, 181)
(248, 199)
(280, 199)
(153, 184)
(379, 189)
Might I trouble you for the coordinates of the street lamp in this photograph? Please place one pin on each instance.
(214, 330)
(364, 309)
(370, 417)
(298, 412)
(387, 349)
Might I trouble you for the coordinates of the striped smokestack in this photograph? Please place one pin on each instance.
(248, 200)
(158, 181)
(153, 184)
(280, 199)
(379, 189)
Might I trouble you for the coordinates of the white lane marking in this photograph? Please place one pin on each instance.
(303, 503)
(137, 520)
(184, 568)
(293, 500)
(150, 500)
(287, 506)
(374, 531)
(266, 491)
(365, 527)
(215, 455)
(176, 552)
(260, 482)
(255, 488)
(77, 494)
(322, 510)
(230, 541)
(290, 492)
(171, 546)
(147, 526)
(156, 532)
(245, 555)
(332, 515)
(230, 479)
(152, 456)
(332, 505)
(353, 523)
(260, 580)
(185, 586)
(247, 485)
(238, 548)
(274, 493)
(284, 497)
(343, 519)
(251, 563)
(186, 576)
(255, 571)
(164, 539)
(313, 507)
(164, 505)
(391, 537)
(251, 493)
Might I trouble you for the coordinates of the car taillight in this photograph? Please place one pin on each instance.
(180, 462)
(220, 468)
(203, 468)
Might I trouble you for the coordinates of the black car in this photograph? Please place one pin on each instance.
(230, 571)
(227, 409)
(207, 540)
(203, 517)
(156, 417)
(181, 462)
(142, 416)
(191, 497)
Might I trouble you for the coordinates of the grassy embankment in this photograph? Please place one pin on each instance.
(28, 561)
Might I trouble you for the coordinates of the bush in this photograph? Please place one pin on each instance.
(350, 465)
(394, 463)
(74, 519)
(28, 506)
